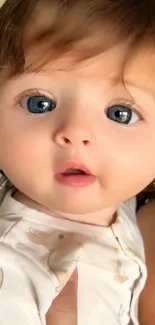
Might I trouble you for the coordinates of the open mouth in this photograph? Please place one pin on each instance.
(72, 171)
(75, 175)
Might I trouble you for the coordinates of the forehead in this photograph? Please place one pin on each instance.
(109, 63)
(95, 49)
(140, 67)
(136, 65)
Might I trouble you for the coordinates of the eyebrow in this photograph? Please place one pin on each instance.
(145, 87)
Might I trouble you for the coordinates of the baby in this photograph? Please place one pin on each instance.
(77, 132)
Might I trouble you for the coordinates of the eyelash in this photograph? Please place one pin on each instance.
(26, 94)
(35, 92)
(129, 104)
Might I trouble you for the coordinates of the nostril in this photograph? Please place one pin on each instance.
(86, 142)
(66, 140)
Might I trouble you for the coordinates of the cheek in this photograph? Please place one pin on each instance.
(129, 161)
(24, 151)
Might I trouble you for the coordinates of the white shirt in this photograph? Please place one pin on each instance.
(38, 254)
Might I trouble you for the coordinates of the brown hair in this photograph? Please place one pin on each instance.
(71, 21)
(111, 21)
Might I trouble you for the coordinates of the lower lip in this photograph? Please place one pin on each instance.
(75, 180)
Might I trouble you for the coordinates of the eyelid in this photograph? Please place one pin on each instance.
(31, 92)
(130, 104)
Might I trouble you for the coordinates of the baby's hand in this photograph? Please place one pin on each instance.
(64, 308)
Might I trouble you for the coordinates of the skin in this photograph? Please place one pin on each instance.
(34, 147)
(64, 308)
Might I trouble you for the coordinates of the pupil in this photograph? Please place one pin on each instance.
(40, 104)
(120, 114)
(43, 104)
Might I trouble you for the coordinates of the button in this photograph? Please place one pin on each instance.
(119, 220)
(120, 276)
(124, 319)
(61, 236)
(123, 316)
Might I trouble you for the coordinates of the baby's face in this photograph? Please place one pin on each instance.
(91, 114)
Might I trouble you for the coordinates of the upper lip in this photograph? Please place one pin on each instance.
(75, 165)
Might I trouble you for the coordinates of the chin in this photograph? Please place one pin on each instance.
(77, 207)
(76, 210)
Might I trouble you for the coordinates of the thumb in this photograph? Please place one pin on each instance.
(64, 308)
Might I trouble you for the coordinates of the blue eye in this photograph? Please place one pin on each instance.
(39, 104)
(122, 114)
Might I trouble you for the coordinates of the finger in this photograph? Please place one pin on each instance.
(64, 308)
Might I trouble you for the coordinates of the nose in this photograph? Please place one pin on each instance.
(74, 130)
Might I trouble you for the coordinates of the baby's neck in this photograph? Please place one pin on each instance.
(104, 217)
